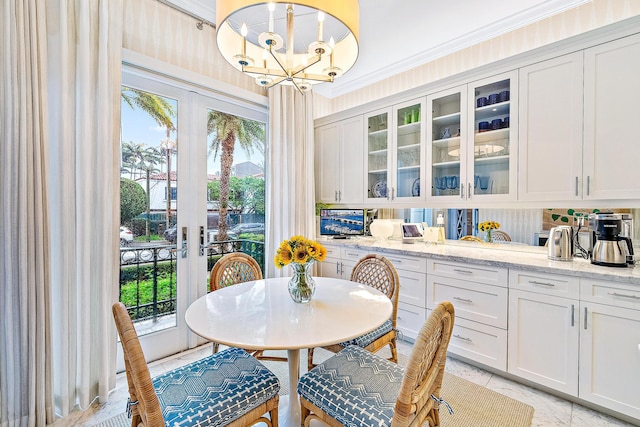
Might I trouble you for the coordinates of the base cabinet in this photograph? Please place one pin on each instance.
(479, 297)
(610, 347)
(543, 340)
(412, 311)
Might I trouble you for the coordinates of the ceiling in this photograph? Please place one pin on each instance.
(396, 35)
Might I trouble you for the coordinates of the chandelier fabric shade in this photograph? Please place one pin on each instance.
(298, 43)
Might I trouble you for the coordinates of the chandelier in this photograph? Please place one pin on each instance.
(297, 43)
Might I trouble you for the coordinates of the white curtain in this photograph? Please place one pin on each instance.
(290, 185)
(84, 51)
(25, 329)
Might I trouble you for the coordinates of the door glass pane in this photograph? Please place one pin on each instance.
(408, 152)
(148, 196)
(377, 155)
(235, 187)
(491, 140)
(446, 149)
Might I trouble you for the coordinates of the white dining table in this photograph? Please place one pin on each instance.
(261, 315)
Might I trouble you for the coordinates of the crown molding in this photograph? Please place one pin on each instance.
(514, 22)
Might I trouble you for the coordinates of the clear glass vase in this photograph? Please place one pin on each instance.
(488, 237)
(301, 286)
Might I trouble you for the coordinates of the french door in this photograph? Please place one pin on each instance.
(168, 152)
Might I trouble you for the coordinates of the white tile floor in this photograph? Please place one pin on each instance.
(549, 410)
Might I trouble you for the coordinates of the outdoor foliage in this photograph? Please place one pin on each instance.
(133, 200)
(245, 194)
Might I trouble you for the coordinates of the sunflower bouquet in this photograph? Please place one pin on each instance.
(488, 226)
(300, 254)
(300, 251)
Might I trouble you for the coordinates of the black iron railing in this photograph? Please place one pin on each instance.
(148, 274)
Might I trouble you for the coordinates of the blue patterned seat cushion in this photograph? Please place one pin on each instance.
(366, 339)
(215, 390)
(355, 387)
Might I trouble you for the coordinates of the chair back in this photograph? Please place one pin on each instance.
(500, 236)
(232, 269)
(147, 410)
(425, 370)
(378, 272)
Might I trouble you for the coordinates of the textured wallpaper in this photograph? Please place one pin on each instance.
(158, 31)
(587, 17)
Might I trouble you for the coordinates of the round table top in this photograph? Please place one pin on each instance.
(261, 315)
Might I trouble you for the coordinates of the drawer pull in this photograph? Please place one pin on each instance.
(463, 338)
(615, 294)
(463, 299)
(535, 282)
(459, 270)
(395, 260)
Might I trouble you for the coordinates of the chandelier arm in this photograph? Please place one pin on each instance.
(278, 61)
(300, 68)
(276, 82)
(265, 71)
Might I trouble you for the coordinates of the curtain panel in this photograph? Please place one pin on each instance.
(85, 72)
(25, 331)
(290, 178)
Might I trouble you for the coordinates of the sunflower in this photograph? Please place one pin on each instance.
(300, 251)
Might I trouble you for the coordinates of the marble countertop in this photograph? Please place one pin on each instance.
(523, 257)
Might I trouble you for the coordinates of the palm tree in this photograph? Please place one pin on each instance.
(131, 153)
(226, 130)
(161, 110)
(145, 159)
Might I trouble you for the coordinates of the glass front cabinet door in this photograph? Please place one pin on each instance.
(492, 129)
(378, 159)
(471, 141)
(446, 131)
(394, 152)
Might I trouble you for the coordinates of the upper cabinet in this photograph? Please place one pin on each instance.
(550, 149)
(471, 138)
(338, 165)
(611, 125)
(394, 155)
(579, 126)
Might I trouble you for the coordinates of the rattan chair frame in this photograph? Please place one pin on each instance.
(422, 378)
(231, 269)
(378, 272)
(148, 411)
(500, 236)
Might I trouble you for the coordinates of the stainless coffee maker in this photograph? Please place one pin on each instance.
(608, 245)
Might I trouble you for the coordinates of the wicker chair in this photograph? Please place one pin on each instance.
(356, 387)
(379, 273)
(500, 236)
(230, 270)
(243, 389)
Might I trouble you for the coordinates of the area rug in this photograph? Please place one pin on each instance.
(474, 405)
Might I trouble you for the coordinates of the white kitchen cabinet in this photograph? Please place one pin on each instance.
(611, 125)
(394, 153)
(339, 171)
(479, 295)
(543, 339)
(544, 331)
(550, 130)
(610, 346)
(340, 261)
(412, 272)
(472, 140)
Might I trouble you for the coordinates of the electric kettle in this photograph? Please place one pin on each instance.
(560, 244)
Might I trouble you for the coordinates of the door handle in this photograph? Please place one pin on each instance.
(339, 195)
(572, 314)
(588, 185)
(576, 186)
(185, 247)
(462, 191)
(203, 247)
(468, 190)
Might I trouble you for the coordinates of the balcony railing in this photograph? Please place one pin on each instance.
(148, 274)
